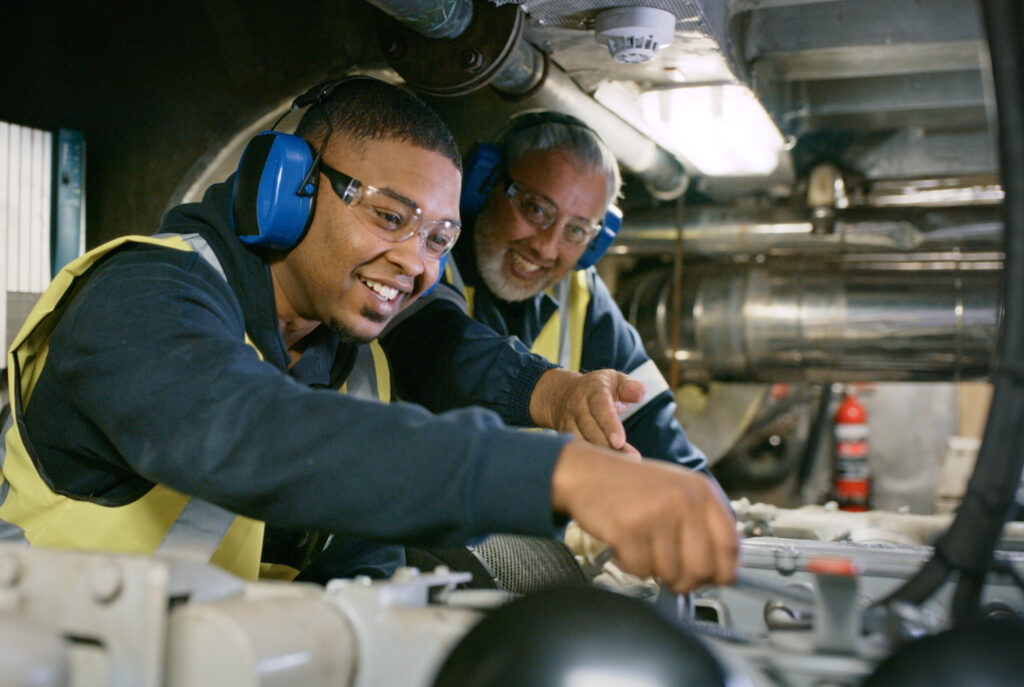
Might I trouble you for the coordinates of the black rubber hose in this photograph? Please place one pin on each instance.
(814, 435)
(972, 538)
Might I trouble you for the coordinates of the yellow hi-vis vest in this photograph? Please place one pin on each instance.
(161, 521)
(561, 338)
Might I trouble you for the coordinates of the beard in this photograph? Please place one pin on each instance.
(346, 335)
(490, 262)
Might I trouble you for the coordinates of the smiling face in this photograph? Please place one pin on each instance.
(517, 260)
(341, 273)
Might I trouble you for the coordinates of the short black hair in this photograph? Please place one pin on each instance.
(368, 109)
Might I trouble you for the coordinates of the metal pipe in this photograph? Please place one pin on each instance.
(730, 232)
(524, 71)
(662, 173)
(492, 52)
(800, 322)
(432, 18)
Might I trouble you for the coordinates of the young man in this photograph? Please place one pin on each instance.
(516, 267)
(174, 393)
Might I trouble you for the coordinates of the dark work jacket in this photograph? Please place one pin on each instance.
(609, 341)
(149, 380)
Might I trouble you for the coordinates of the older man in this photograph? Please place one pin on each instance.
(517, 267)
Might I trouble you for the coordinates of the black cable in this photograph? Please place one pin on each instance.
(814, 435)
(971, 540)
(967, 598)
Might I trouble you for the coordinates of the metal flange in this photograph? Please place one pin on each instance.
(454, 66)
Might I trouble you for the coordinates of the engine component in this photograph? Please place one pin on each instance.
(782, 321)
(32, 656)
(879, 569)
(584, 636)
(983, 654)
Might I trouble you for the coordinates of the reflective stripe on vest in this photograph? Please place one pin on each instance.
(561, 338)
(370, 378)
(162, 520)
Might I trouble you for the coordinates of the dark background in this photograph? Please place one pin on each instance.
(157, 88)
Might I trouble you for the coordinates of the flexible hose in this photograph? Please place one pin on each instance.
(972, 538)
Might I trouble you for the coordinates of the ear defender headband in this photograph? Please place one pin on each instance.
(483, 170)
(276, 182)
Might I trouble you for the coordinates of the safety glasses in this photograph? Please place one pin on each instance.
(541, 213)
(393, 218)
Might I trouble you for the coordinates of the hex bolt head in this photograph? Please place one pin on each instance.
(10, 570)
(472, 60)
(785, 560)
(105, 582)
(395, 48)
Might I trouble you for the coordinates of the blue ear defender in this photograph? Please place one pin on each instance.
(483, 172)
(440, 275)
(599, 244)
(276, 182)
(272, 200)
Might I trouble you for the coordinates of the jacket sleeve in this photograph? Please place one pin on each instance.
(443, 359)
(148, 375)
(609, 341)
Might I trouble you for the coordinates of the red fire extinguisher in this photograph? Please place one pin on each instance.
(852, 478)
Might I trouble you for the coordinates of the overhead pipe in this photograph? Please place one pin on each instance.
(801, 322)
(662, 173)
(713, 232)
(489, 51)
(433, 18)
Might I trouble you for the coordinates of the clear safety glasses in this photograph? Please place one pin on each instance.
(392, 218)
(542, 214)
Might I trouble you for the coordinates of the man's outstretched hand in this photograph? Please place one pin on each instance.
(587, 405)
(659, 519)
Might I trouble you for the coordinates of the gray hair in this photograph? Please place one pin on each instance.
(542, 130)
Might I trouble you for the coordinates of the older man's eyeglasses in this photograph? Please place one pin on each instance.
(542, 214)
(393, 218)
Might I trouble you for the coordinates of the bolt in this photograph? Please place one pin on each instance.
(395, 48)
(10, 570)
(405, 574)
(472, 60)
(106, 581)
(785, 560)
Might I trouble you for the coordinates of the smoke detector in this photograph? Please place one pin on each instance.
(634, 34)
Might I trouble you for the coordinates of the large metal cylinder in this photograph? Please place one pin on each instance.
(799, 322)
